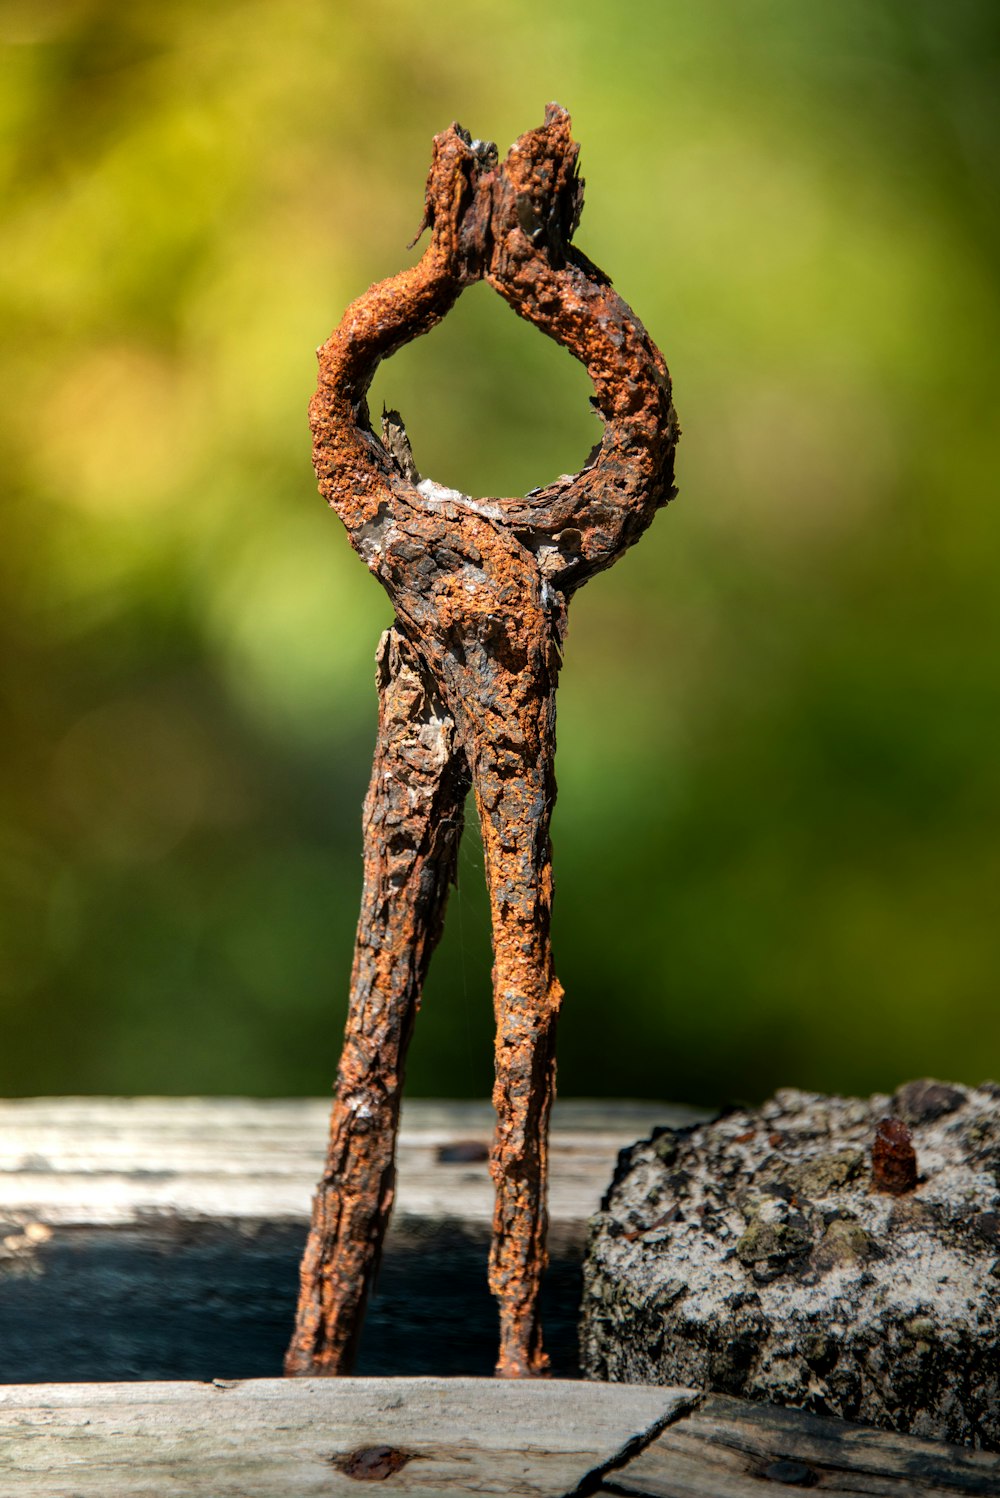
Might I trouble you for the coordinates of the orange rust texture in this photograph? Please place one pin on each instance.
(412, 826)
(480, 589)
(894, 1160)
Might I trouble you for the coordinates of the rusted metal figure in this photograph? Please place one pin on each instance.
(467, 679)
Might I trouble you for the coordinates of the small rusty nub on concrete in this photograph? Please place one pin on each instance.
(894, 1160)
(467, 681)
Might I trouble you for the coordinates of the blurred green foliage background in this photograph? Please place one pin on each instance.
(776, 841)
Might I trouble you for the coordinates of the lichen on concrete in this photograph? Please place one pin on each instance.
(753, 1255)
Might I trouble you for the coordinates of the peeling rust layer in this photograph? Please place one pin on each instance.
(467, 681)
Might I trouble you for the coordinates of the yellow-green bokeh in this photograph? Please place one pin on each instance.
(777, 846)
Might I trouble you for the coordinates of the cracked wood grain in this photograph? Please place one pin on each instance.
(132, 1162)
(268, 1438)
(480, 590)
(731, 1448)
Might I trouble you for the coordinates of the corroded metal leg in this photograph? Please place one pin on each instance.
(526, 998)
(507, 720)
(412, 825)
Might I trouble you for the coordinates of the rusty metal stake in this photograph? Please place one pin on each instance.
(467, 678)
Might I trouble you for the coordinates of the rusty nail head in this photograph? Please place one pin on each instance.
(372, 1463)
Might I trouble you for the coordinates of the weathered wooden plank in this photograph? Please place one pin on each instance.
(728, 1448)
(164, 1235)
(272, 1438)
(119, 1161)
